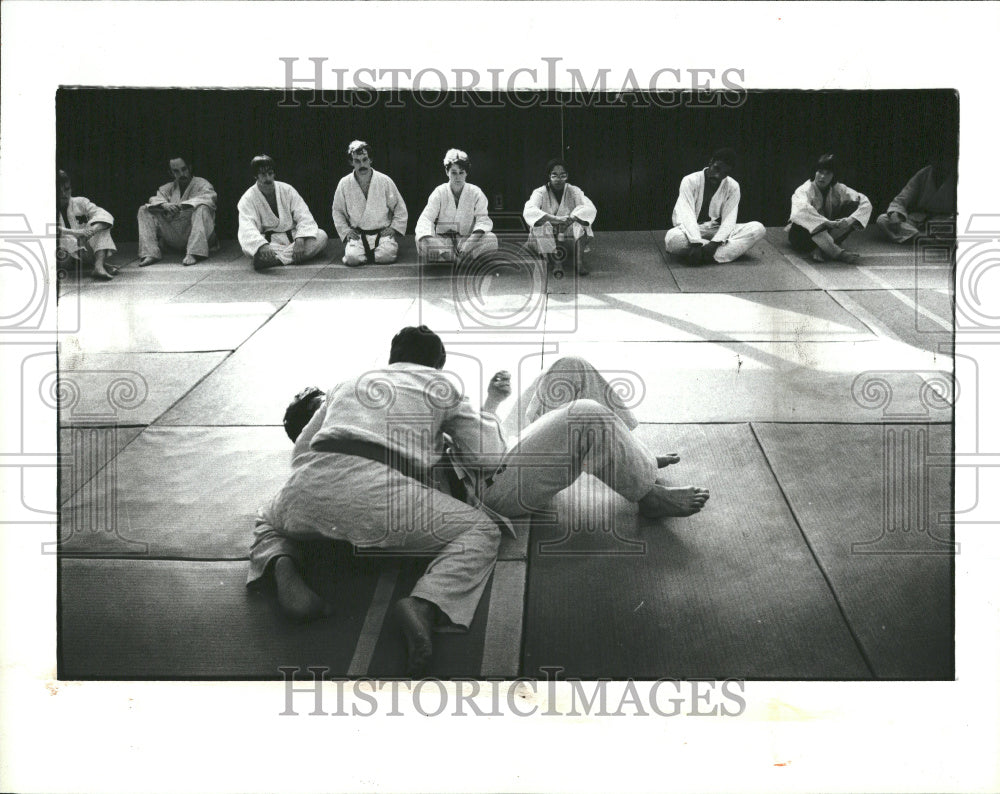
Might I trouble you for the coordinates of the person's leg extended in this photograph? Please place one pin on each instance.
(585, 436)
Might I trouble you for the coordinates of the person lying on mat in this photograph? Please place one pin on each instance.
(705, 214)
(181, 215)
(559, 217)
(275, 224)
(84, 231)
(926, 204)
(824, 212)
(360, 473)
(456, 222)
(368, 211)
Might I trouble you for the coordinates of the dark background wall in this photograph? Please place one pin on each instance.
(629, 158)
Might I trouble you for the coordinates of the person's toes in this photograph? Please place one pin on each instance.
(662, 461)
(101, 275)
(817, 256)
(146, 261)
(188, 260)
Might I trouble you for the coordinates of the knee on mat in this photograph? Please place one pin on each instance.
(385, 257)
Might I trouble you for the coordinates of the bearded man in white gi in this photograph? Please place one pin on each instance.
(368, 211)
(705, 227)
(275, 225)
(181, 214)
(359, 474)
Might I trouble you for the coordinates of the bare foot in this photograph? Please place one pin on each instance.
(188, 260)
(663, 501)
(102, 275)
(296, 598)
(662, 461)
(850, 257)
(146, 261)
(415, 618)
(817, 255)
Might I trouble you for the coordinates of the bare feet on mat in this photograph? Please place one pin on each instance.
(850, 257)
(296, 598)
(817, 256)
(662, 461)
(415, 617)
(102, 275)
(146, 261)
(694, 255)
(664, 501)
(188, 260)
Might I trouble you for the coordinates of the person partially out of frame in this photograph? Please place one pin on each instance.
(704, 217)
(927, 203)
(368, 211)
(456, 222)
(560, 218)
(275, 224)
(84, 231)
(824, 212)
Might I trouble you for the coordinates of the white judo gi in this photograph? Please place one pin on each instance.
(381, 210)
(445, 226)
(407, 407)
(258, 225)
(811, 209)
(81, 213)
(723, 208)
(187, 231)
(574, 203)
(921, 202)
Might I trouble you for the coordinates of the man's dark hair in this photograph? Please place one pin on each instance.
(828, 162)
(552, 164)
(261, 162)
(301, 409)
(184, 157)
(726, 155)
(418, 346)
(62, 178)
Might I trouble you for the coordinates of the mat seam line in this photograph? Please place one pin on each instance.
(815, 556)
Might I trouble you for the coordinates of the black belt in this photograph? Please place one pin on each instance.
(369, 251)
(290, 233)
(375, 452)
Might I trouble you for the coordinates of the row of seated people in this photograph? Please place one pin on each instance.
(277, 228)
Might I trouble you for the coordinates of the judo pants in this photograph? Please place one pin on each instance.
(542, 239)
(801, 240)
(187, 231)
(441, 248)
(385, 251)
(385, 510)
(283, 245)
(917, 223)
(743, 238)
(70, 247)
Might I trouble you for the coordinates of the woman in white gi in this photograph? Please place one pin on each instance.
(456, 222)
(559, 216)
(84, 230)
(824, 213)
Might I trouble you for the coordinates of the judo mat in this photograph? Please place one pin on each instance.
(733, 591)
(883, 265)
(922, 318)
(628, 260)
(126, 388)
(874, 503)
(80, 460)
(161, 619)
(189, 493)
(668, 382)
(761, 269)
(751, 316)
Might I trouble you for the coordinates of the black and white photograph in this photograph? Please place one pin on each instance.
(580, 393)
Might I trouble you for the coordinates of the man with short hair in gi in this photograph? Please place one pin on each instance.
(360, 473)
(368, 211)
(181, 214)
(275, 224)
(705, 228)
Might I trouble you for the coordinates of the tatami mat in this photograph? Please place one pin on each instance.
(85, 451)
(870, 501)
(732, 591)
(921, 318)
(186, 492)
(126, 388)
(751, 316)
